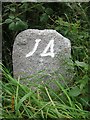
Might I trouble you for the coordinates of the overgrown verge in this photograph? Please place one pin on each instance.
(72, 21)
(20, 101)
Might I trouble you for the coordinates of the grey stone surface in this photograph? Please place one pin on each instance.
(52, 66)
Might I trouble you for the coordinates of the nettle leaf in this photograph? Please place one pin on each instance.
(11, 16)
(8, 20)
(49, 11)
(12, 26)
(75, 91)
(40, 8)
(21, 25)
(12, 9)
(84, 82)
(44, 17)
(18, 19)
(82, 64)
(18, 24)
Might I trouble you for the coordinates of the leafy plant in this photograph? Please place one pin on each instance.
(71, 20)
(16, 23)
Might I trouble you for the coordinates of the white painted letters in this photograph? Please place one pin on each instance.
(34, 49)
(51, 46)
(44, 53)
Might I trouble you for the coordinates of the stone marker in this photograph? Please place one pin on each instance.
(42, 50)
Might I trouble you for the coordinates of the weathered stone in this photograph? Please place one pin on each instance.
(42, 50)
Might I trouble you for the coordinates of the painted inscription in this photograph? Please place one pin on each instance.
(44, 53)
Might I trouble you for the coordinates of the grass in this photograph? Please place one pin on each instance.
(20, 101)
(69, 102)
